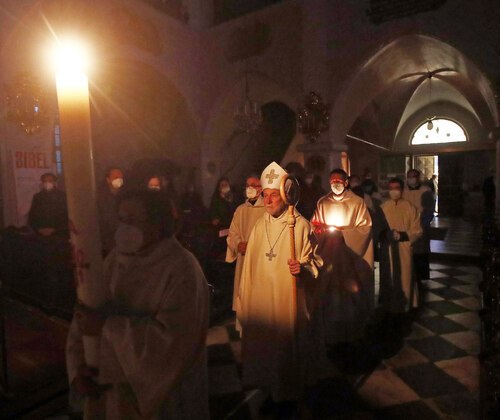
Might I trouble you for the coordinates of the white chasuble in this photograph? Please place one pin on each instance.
(242, 224)
(273, 336)
(343, 227)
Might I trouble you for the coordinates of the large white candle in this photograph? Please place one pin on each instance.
(76, 139)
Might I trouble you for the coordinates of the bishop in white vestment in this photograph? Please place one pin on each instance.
(273, 334)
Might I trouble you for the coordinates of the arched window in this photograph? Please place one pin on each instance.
(437, 131)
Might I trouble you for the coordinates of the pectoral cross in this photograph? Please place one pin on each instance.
(270, 255)
(271, 176)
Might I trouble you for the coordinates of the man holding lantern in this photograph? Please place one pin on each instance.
(343, 226)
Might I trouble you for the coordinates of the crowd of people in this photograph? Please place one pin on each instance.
(291, 308)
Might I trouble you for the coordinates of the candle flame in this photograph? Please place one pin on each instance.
(71, 59)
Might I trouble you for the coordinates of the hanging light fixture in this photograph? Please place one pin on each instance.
(430, 124)
(248, 116)
(24, 99)
(313, 117)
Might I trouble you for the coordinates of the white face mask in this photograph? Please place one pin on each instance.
(154, 188)
(412, 182)
(128, 238)
(225, 189)
(48, 186)
(395, 194)
(337, 188)
(251, 193)
(117, 183)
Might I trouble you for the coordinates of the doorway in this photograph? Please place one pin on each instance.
(428, 165)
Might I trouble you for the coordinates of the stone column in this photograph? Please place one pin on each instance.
(322, 157)
(316, 78)
(314, 46)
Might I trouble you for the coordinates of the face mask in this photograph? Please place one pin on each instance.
(154, 188)
(395, 194)
(128, 239)
(309, 181)
(412, 182)
(225, 190)
(48, 186)
(251, 193)
(337, 188)
(117, 183)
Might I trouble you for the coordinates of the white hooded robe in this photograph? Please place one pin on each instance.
(152, 347)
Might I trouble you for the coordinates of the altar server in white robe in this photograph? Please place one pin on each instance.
(242, 224)
(152, 360)
(421, 197)
(274, 336)
(398, 287)
(344, 229)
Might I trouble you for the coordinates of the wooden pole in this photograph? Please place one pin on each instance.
(291, 227)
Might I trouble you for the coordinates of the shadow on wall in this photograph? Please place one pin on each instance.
(244, 153)
(138, 113)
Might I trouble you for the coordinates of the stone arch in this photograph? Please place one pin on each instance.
(393, 64)
(139, 113)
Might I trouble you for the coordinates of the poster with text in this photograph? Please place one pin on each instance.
(28, 167)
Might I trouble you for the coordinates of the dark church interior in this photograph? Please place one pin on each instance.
(193, 99)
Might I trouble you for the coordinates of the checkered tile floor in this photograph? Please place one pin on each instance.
(435, 373)
(461, 237)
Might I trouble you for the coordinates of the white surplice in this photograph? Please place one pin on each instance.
(423, 200)
(396, 263)
(242, 224)
(153, 342)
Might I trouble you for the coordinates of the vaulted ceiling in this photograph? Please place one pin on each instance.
(394, 85)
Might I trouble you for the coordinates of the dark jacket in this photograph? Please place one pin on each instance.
(49, 210)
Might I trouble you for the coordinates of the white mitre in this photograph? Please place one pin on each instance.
(271, 176)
